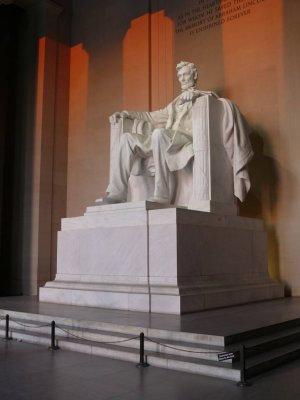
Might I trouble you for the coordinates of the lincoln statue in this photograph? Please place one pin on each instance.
(167, 136)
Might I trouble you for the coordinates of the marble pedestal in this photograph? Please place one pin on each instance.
(139, 256)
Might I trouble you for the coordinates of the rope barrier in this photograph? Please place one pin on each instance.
(143, 358)
(187, 351)
(95, 341)
(111, 342)
(30, 326)
(133, 338)
(114, 341)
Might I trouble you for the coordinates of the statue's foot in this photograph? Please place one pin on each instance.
(110, 199)
(157, 199)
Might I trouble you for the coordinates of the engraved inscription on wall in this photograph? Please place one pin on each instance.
(208, 14)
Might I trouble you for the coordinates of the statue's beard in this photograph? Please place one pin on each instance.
(187, 85)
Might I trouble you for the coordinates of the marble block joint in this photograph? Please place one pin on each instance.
(141, 256)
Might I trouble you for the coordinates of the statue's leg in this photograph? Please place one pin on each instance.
(161, 139)
(129, 148)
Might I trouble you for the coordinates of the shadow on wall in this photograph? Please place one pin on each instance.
(262, 198)
(12, 147)
(148, 64)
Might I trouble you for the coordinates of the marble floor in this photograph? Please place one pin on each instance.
(222, 322)
(31, 372)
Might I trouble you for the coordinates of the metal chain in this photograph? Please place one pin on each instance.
(116, 341)
(187, 351)
(95, 341)
(29, 326)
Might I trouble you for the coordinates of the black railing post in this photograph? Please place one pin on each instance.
(7, 328)
(243, 381)
(143, 360)
(53, 346)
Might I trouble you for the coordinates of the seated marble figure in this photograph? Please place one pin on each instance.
(166, 135)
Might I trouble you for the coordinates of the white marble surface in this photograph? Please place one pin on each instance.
(190, 217)
(212, 171)
(203, 140)
(120, 251)
(112, 215)
(167, 260)
(206, 183)
(133, 213)
(132, 205)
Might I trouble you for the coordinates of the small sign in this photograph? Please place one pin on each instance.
(225, 356)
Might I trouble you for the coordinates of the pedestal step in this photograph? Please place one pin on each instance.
(183, 351)
(159, 298)
(123, 343)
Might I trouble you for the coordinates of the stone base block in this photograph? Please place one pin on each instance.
(200, 299)
(141, 257)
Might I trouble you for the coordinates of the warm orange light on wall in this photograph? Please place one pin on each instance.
(79, 74)
(255, 72)
(162, 60)
(40, 85)
(77, 141)
(148, 62)
(136, 64)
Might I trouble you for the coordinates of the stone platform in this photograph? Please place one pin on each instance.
(142, 257)
(270, 331)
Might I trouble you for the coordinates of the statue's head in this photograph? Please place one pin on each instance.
(187, 74)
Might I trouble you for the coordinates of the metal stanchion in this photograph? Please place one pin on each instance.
(143, 359)
(243, 382)
(53, 345)
(7, 337)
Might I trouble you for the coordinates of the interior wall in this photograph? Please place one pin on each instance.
(34, 127)
(11, 19)
(103, 51)
(245, 50)
(45, 100)
(288, 217)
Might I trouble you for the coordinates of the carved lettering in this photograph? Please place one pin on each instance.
(208, 14)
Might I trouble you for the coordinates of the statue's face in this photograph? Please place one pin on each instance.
(186, 77)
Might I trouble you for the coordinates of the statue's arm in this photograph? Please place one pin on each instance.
(155, 118)
(192, 94)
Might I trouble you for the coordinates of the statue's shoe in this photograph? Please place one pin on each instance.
(161, 200)
(110, 199)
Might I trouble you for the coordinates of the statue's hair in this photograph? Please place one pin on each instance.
(190, 65)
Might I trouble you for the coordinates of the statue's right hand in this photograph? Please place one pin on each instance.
(114, 118)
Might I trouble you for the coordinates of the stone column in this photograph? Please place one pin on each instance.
(44, 145)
